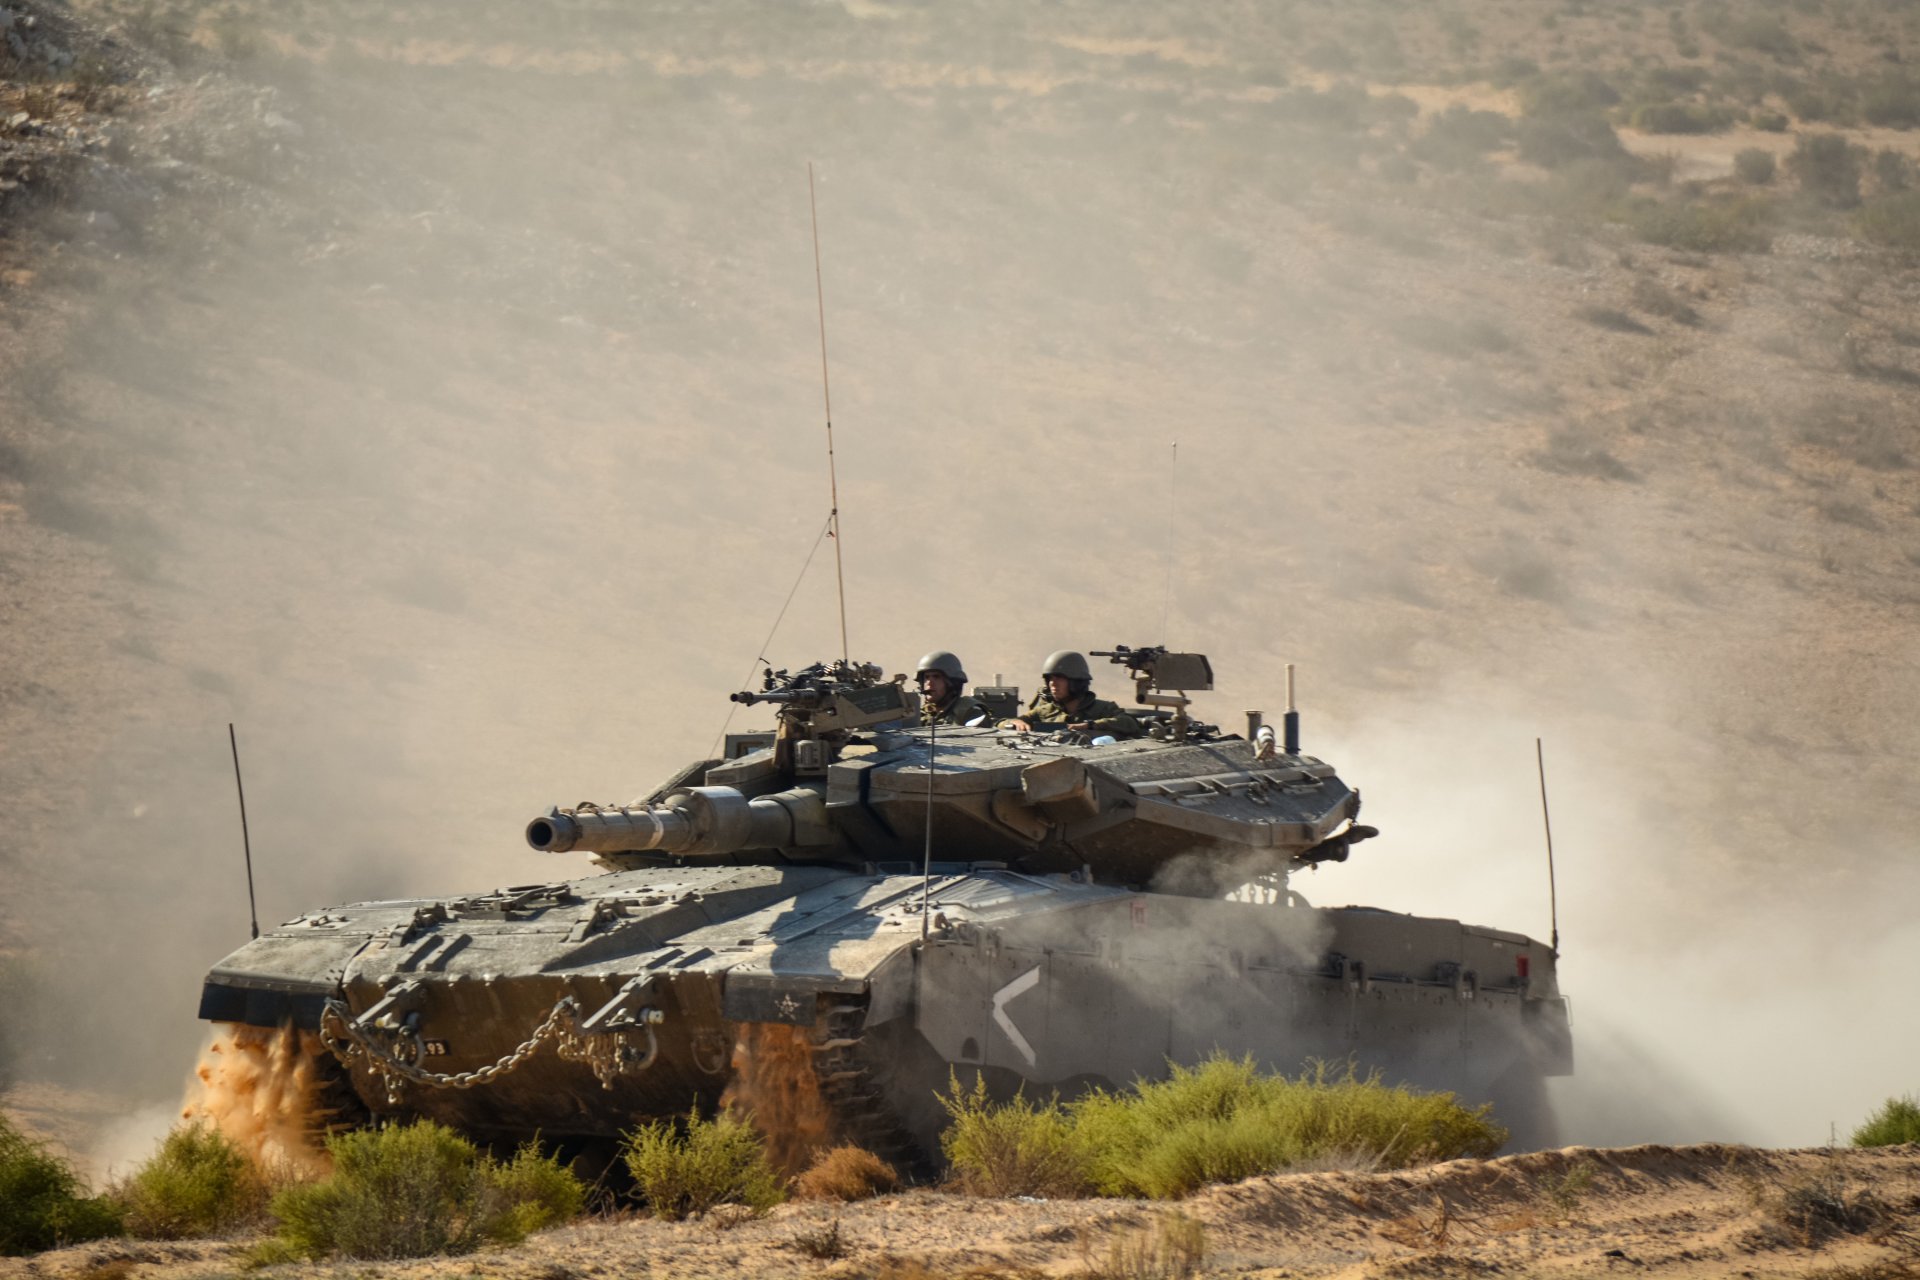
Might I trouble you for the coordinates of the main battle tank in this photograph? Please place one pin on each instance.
(892, 903)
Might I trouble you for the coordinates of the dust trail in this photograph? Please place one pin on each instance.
(774, 1081)
(262, 1090)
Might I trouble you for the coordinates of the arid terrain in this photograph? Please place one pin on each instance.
(1705, 1211)
(433, 392)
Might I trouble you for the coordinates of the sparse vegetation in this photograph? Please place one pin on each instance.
(1815, 1208)
(1610, 318)
(415, 1190)
(197, 1183)
(822, 1244)
(1014, 1148)
(1656, 299)
(1740, 225)
(42, 1202)
(1892, 221)
(1898, 1120)
(689, 1167)
(1560, 1194)
(846, 1173)
(1681, 117)
(1171, 1247)
(1754, 166)
(1220, 1121)
(1827, 168)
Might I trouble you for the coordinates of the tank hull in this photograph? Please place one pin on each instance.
(1051, 982)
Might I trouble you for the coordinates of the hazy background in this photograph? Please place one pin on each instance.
(433, 391)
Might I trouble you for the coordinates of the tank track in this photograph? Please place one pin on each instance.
(854, 1083)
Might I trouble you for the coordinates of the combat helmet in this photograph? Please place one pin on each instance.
(1065, 662)
(945, 663)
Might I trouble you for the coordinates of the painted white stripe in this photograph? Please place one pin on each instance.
(1012, 991)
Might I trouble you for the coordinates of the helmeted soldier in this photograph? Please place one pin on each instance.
(943, 682)
(1066, 701)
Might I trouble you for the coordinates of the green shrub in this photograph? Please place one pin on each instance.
(690, 1169)
(1567, 93)
(1762, 33)
(1459, 136)
(1011, 1149)
(1723, 226)
(1893, 221)
(1893, 102)
(1553, 141)
(421, 1189)
(1680, 117)
(198, 1183)
(1769, 121)
(1897, 1121)
(1892, 171)
(1754, 166)
(1827, 167)
(1221, 1121)
(42, 1204)
(1225, 1120)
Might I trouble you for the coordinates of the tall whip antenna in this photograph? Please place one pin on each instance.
(826, 392)
(246, 841)
(926, 865)
(1173, 479)
(1553, 897)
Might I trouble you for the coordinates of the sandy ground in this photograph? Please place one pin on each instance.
(1648, 1210)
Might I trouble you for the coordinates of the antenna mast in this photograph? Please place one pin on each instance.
(1173, 480)
(1553, 897)
(826, 392)
(246, 841)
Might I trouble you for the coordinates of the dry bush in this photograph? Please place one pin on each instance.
(1816, 1207)
(1827, 168)
(1656, 299)
(1755, 166)
(823, 1244)
(1610, 318)
(1173, 1247)
(846, 1173)
(1571, 452)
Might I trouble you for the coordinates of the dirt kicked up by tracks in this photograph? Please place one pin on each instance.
(1648, 1211)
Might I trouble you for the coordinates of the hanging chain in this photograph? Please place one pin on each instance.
(608, 1054)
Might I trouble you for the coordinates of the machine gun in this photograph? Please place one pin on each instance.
(1163, 679)
(818, 708)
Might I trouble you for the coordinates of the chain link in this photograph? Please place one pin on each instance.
(393, 1069)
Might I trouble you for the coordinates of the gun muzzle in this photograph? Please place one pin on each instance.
(697, 820)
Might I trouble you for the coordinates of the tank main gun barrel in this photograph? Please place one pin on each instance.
(696, 820)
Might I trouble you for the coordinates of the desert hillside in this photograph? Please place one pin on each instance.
(433, 391)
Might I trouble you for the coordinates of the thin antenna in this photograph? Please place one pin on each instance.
(826, 392)
(1553, 897)
(926, 865)
(246, 841)
(1173, 479)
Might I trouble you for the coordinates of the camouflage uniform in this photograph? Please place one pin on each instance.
(956, 713)
(1100, 716)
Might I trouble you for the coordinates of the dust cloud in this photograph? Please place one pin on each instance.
(441, 404)
(776, 1086)
(263, 1090)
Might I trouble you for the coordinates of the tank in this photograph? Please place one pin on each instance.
(863, 907)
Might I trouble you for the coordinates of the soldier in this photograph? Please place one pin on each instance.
(942, 680)
(1067, 702)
